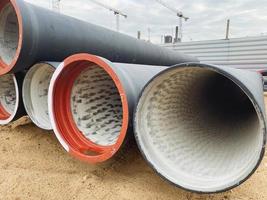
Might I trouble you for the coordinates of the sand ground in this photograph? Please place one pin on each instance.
(34, 166)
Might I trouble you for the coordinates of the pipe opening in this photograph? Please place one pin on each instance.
(88, 111)
(96, 106)
(9, 33)
(35, 94)
(199, 129)
(8, 98)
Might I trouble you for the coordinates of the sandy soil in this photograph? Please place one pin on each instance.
(34, 166)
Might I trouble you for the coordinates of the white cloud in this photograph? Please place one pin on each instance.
(207, 17)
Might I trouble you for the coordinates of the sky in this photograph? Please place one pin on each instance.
(207, 17)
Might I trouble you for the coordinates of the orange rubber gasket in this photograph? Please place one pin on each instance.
(3, 113)
(78, 144)
(5, 68)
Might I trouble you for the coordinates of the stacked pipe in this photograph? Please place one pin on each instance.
(30, 34)
(201, 127)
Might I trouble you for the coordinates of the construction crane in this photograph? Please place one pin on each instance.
(116, 12)
(178, 13)
(55, 5)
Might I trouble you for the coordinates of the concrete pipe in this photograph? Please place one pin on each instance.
(202, 127)
(91, 101)
(11, 105)
(35, 93)
(30, 34)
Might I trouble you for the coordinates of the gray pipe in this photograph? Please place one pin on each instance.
(29, 34)
(35, 91)
(91, 102)
(202, 127)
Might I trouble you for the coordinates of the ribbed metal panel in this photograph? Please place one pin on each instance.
(247, 52)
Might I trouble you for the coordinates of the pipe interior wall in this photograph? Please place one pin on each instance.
(9, 33)
(35, 93)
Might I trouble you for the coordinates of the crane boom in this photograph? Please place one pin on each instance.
(178, 13)
(116, 11)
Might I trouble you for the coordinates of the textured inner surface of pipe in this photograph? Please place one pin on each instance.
(9, 33)
(8, 96)
(35, 91)
(199, 129)
(96, 106)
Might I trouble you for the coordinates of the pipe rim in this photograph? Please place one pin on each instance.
(7, 117)
(259, 113)
(58, 119)
(27, 96)
(5, 68)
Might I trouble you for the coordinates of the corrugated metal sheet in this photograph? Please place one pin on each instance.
(247, 52)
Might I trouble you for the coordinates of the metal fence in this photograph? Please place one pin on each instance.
(246, 52)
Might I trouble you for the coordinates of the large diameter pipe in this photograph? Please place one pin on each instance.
(35, 93)
(91, 102)
(202, 127)
(11, 105)
(29, 34)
